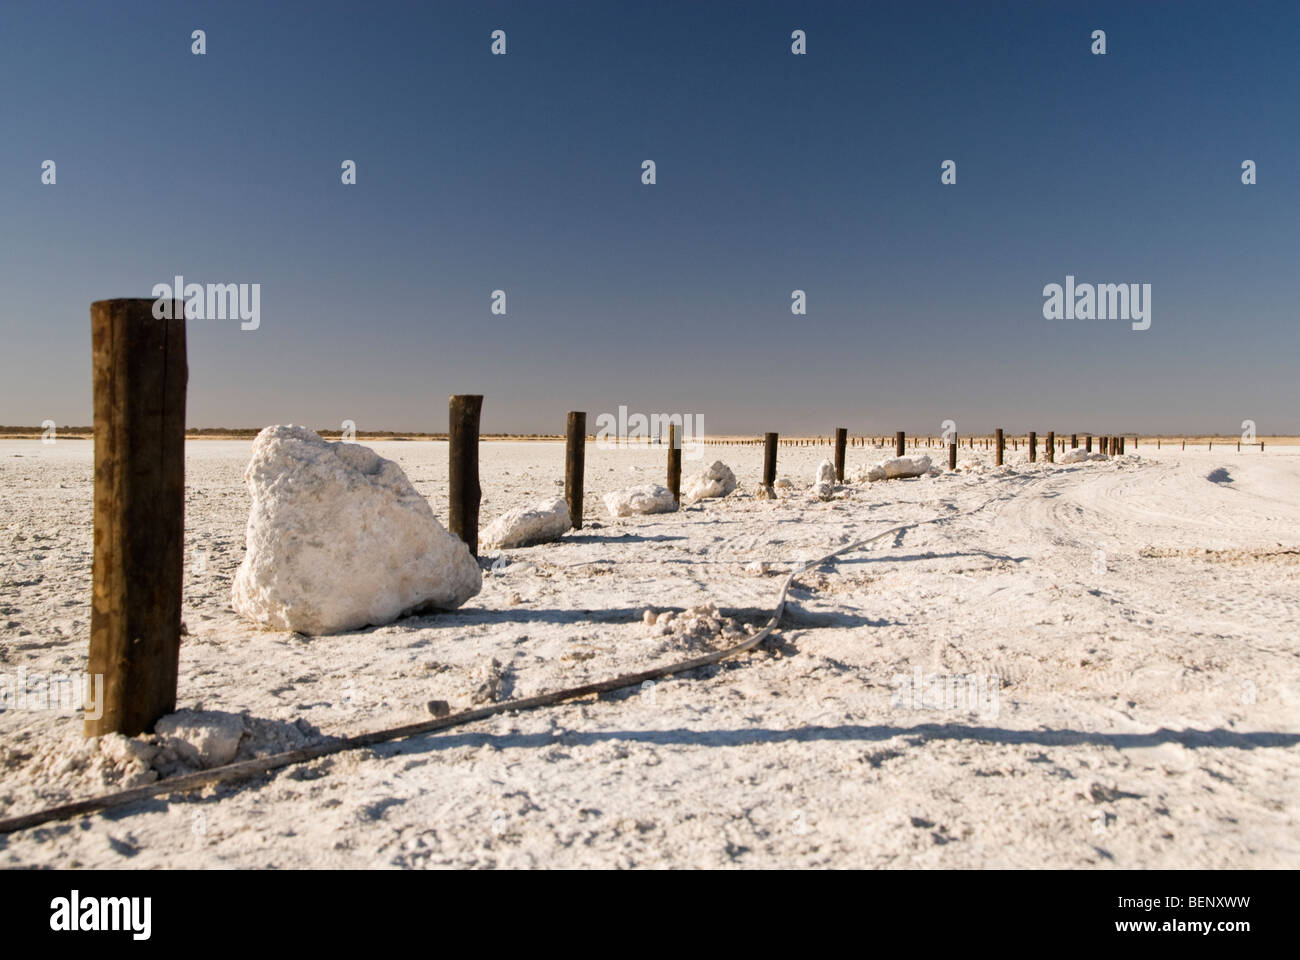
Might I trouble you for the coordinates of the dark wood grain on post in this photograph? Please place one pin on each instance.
(1000, 444)
(841, 436)
(1087, 443)
(1074, 441)
(1033, 446)
(462, 453)
(1051, 446)
(900, 443)
(675, 463)
(769, 459)
(952, 455)
(139, 374)
(575, 460)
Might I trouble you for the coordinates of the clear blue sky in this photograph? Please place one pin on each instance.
(775, 172)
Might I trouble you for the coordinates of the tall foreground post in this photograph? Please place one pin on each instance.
(1051, 446)
(1033, 446)
(1001, 446)
(841, 435)
(139, 374)
(675, 463)
(462, 453)
(769, 460)
(575, 457)
(900, 443)
(952, 455)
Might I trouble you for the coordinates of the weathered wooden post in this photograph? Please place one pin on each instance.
(952, 455)
(1121, 444)
(1000, 445)
(900, 443)
(841, 436)
(139, 374)
(769, 462)
(1074, 441)
(1051, 446)
(1087, 443)
(575, 456)
(462, 447)
(1033, 446)
(675, 463)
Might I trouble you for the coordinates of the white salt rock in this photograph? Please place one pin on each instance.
(916, 465)
(714, 481)
(525, 526)
(209, 738)
(647, 498)
(339, 539)
(1079, 455)
(825, 472)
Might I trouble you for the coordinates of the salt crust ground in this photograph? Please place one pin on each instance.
(1144, 621)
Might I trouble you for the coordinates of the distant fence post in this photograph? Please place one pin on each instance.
(1074, 441)
(1087, 443)
(900, 443)
(1000, 445)
(841, 436)
(675, 463)
(139, 374)
(575, 457)
(462, 454)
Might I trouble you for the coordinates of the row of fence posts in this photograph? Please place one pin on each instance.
(140, 374)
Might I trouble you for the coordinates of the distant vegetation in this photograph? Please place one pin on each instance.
(239, 433)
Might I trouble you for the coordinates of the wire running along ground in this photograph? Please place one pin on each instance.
(250, 769)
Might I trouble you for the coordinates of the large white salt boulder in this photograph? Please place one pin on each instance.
(647, 498)
(1079, 455)
(339, 539)
(714, 481)
(916, 465)
(526, 526)
(825, 472)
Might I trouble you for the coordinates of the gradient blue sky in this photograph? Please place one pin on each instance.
(775, 172)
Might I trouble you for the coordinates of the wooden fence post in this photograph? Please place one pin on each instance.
(575, 456)
(675, 463)
(841, 435)
(1001, 446)
(952, 455)
(1033, 446)
(900, 443)
(1051, 446)
(139, 372)
(462, 453)
(769, 460)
